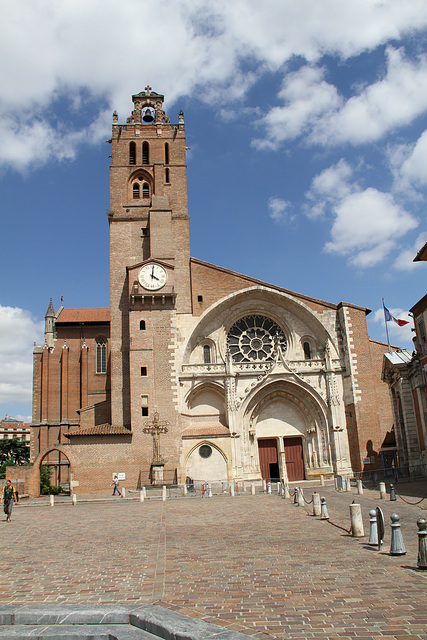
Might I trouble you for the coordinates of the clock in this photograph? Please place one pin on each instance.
(152, 276)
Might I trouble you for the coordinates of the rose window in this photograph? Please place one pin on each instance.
(254, 339)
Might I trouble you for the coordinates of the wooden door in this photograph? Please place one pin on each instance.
(268, 460)
(294, 459)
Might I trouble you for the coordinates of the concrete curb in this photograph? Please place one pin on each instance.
(106, 622)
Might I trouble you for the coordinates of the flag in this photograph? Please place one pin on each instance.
(389, 318)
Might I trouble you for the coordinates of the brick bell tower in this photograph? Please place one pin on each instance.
(149, 269)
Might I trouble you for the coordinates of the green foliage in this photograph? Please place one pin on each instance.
(45, 480)
(14, 451)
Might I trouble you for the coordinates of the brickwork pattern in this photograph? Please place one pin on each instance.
(296, 577)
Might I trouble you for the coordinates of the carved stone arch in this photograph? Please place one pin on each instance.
(221, 315)
(209, 443)
(203, 388)
(213, 469)
(34, 479)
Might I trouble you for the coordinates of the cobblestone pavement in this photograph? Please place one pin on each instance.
(255, 564)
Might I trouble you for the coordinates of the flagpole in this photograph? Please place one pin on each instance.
(386, 329)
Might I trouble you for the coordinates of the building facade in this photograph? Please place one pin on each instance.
(195, 370)
(12, 429)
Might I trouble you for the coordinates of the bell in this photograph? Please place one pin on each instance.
(148, 116)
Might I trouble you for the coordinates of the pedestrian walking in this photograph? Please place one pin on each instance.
(8, 497)
(116, 485)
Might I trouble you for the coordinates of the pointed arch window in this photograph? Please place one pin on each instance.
(167, 177)
(101, 356)
(307, 350)
(166, 153)
(145, 153)
(206, 354)
(132, 153)
(135, 191)
(145, 190)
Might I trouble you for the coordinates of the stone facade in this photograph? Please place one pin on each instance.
(254, 381)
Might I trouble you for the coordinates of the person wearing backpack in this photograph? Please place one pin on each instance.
(8, 497)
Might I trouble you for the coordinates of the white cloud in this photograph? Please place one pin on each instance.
(405, 258)
(278, 209)
(79, 51)
(392, 102)
(18, 331)
(414, 168)
(367, 224)
(314, 108)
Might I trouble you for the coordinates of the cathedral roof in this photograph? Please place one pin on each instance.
(100, 430)
(83, 315)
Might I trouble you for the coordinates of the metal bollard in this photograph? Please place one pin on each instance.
(316, 504)
(185, 489)
(422, 543)
(301, 495)
(145, 491)
(141, 496)
(323, 509)
(397, 548)
(231, 489)
(359, 487)
(252, 488)
(373, 528)
(357, 530)
(210, 491)
(296, 496)
(392, 494)
(74, 499)
(164, 493)
(279, 488)
(123, 492)
(322, 480)
(347, 484)
(51, 500)
(269, 487)
(383, 492)
(264, 485)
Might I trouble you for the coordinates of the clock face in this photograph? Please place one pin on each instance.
(152, 277)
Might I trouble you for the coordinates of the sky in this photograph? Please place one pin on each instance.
(306, 124)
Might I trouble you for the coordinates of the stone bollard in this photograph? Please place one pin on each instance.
(279, 488)
(185, 489)
(286, 493)
(392, 494)
(74, 499)
(252, 488)
(264, 485)
(359, 487)
(210, 490)
(144, 489)
(322, 480)
(347, 484)
(383, 492)
(397, 548)
(164, 493)
(232, 489)
(357, 530)
(373, 528)
(323, 509)
(269, 487)
(51, 500)
(316, 504)
(422, 543)
(123, 492)
(301, 495)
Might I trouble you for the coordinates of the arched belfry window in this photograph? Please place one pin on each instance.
(145, 190)
(307, 350)
(101, 356)
(132, 153)
(207, 354)
(145, 153)
(135, 191)
(166, 153)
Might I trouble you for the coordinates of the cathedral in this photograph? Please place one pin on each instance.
(196, 371)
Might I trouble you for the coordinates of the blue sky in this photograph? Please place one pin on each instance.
(307, 166)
